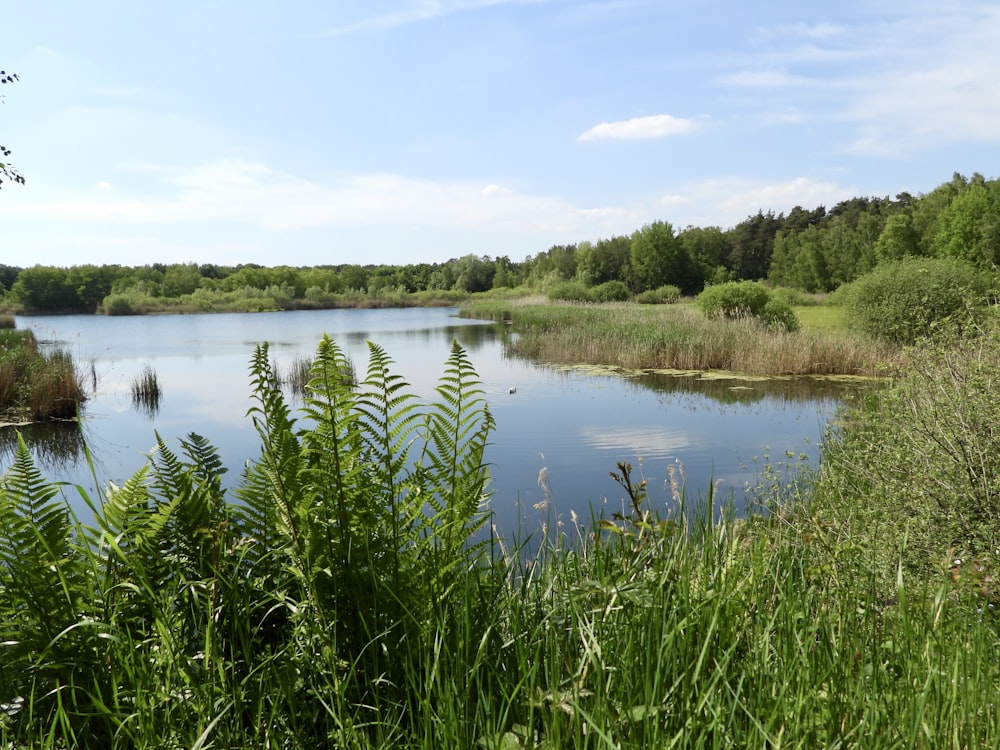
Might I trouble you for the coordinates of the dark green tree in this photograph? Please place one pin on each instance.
(91, 284)
(475, 274)
(752, 245)
(607, 260)
(8, 275)
(45, 289)
(709, 249)
(659, 258)
(181, 278)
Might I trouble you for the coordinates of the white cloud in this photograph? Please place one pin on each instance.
(416, 12)
(653, 126)
(652, 441)
(252, 194)
(728, 201)
(907, 81)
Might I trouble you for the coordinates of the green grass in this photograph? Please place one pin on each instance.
(36, 385)
(823, 318)
(335, 599)
(679, 337)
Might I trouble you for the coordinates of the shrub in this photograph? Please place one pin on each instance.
(746, 299)
(569, 291)
(924, 453)
(610, 291)
(662, 295)
(910, 299)
(734, 299)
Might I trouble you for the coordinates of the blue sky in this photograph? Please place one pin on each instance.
(404, 131)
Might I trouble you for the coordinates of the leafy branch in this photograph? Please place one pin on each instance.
(6, 170)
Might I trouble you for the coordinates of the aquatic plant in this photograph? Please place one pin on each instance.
(339, 598)
(146, 391)
(36, 384)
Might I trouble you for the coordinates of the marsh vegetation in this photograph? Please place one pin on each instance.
(679, 337)
(337, 597)
(36, 384)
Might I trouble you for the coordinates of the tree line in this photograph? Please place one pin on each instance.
(816, 250)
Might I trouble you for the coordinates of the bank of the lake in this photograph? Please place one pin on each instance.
(337, 603)
(678, 338)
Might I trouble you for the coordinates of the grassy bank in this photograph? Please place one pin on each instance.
(36, 385)
(334, 599)
(679, 337)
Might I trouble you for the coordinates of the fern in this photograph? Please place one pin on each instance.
(390, 416)
(35, 549)
(452, 467)
(271, 515)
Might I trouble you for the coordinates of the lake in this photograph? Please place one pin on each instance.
(570, 425)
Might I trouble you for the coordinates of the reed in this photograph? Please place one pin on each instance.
(34, 384)
(337, 599)
(678, 337)
(146, 390)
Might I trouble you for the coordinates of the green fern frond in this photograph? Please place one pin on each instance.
(124, 510)
(37, 554)
(272, 514)
(34, 524)
(457, 430)
(334, 450)
(390, 417)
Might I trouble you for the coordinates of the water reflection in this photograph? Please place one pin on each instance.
(53, 444)
(573, 424)
(738, 390)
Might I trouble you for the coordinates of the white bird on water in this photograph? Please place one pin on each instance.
(512, 390)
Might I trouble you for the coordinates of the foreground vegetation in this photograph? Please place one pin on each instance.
(35, 385)
(348, 593)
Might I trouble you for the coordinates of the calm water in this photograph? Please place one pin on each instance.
(573, 426)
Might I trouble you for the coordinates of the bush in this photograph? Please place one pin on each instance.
(746, 299)
(914, 298)
(924, 453)
(779, 314)
(734, 299)
(610, 291)
(662, 295)
(569, 291)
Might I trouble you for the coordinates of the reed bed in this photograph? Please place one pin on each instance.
(337, 599)
(680, 338)
(37, 385)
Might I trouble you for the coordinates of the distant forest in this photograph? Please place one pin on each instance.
(814, 250)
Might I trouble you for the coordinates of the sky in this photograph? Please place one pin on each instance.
(313, 132)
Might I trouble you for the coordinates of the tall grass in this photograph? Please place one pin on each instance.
(146, 390)
(678, 337)
(36, 385)
(336, 601)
